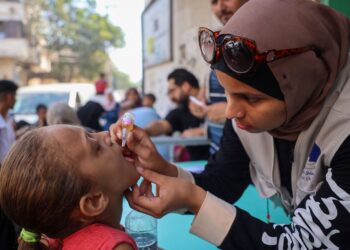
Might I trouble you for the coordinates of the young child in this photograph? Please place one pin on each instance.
(66, 186)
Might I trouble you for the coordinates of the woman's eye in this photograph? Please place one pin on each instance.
(252, 99)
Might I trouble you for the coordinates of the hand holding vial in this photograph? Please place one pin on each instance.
(128, 120)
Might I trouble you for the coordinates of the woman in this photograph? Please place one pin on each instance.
(284, 66)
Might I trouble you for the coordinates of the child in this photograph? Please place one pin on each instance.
(67, 186)
(148, 100)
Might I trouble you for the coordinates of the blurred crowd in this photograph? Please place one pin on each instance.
(187, 120)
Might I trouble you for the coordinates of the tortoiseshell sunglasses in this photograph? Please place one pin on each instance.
(240, 54)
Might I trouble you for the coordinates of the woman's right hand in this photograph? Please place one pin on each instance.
(145, 153)
(172, 194)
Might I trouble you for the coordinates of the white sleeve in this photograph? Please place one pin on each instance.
(214, 219)
(185, 175)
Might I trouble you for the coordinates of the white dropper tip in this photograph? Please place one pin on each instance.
(124, 135)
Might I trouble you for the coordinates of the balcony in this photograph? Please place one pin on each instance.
(11, 10)
(16, 48)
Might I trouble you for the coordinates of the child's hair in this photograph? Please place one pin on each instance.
(151, 96)
(41, 186)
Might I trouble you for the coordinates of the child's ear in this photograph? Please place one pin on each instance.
(93, 204)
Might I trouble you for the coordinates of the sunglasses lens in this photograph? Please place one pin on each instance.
(238, 57)
(207, 46)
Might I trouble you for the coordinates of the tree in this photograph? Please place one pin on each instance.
(121, 80)
(75, 34)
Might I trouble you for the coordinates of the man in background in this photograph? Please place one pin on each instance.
(213, 92)
(8, 237)
(181, 85)
(41, 110)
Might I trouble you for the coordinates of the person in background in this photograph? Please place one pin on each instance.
(109, 101)
(7, 138)
(131, 100)
(288, 131)
(90, 114)
(65, 186)
(8, 91)
(41, 110)
(62, 113)
(148, 100)
(100, 88)
(111, 108)
(101, 84)
(214, 94)
(181, 84)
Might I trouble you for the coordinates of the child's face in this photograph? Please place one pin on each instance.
(147, 102)
(98, 159)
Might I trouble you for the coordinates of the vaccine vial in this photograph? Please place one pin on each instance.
(128, 120)
(143, 228)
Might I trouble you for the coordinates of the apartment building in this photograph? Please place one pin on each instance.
(14, 47)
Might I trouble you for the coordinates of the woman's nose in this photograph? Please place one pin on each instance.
(234, 109)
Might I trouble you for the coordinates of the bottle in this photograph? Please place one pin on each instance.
(128, 120)
(143, 228)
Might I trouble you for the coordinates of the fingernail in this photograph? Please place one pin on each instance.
(119, 135)
(139, 169)
(113, 140)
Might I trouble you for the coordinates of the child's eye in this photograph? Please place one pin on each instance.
(98, 147)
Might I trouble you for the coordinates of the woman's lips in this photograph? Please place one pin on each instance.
(242, 126)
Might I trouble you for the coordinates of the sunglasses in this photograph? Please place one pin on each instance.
(240, 54)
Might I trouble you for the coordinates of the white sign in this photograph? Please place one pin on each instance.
(156, 35)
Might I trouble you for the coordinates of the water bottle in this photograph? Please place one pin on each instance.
(143, 228)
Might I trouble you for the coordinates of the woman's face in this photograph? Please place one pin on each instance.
(99, 159)
(132, 96)
(252, 110)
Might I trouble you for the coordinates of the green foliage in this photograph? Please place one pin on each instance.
(75, 33)
(121, 80)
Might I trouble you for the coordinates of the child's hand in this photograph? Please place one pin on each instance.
(172, 194)
(144, 152)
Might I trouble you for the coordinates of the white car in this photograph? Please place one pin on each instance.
(28, 97)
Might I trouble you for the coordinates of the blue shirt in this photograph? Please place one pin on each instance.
(143, 117)
(216, 94)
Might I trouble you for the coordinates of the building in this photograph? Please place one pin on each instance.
(22, 58)
(170, 29)
(14, 47)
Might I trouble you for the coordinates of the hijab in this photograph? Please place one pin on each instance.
(304, 79)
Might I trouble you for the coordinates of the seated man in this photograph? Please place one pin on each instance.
(181, 84)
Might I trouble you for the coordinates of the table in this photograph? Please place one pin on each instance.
(173, 229)
(171, 141)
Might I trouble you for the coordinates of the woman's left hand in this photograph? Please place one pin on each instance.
(172, 194)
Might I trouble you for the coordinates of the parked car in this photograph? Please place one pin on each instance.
(74, 94)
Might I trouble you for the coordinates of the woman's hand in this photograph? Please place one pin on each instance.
(172, 194)
(145, 154)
